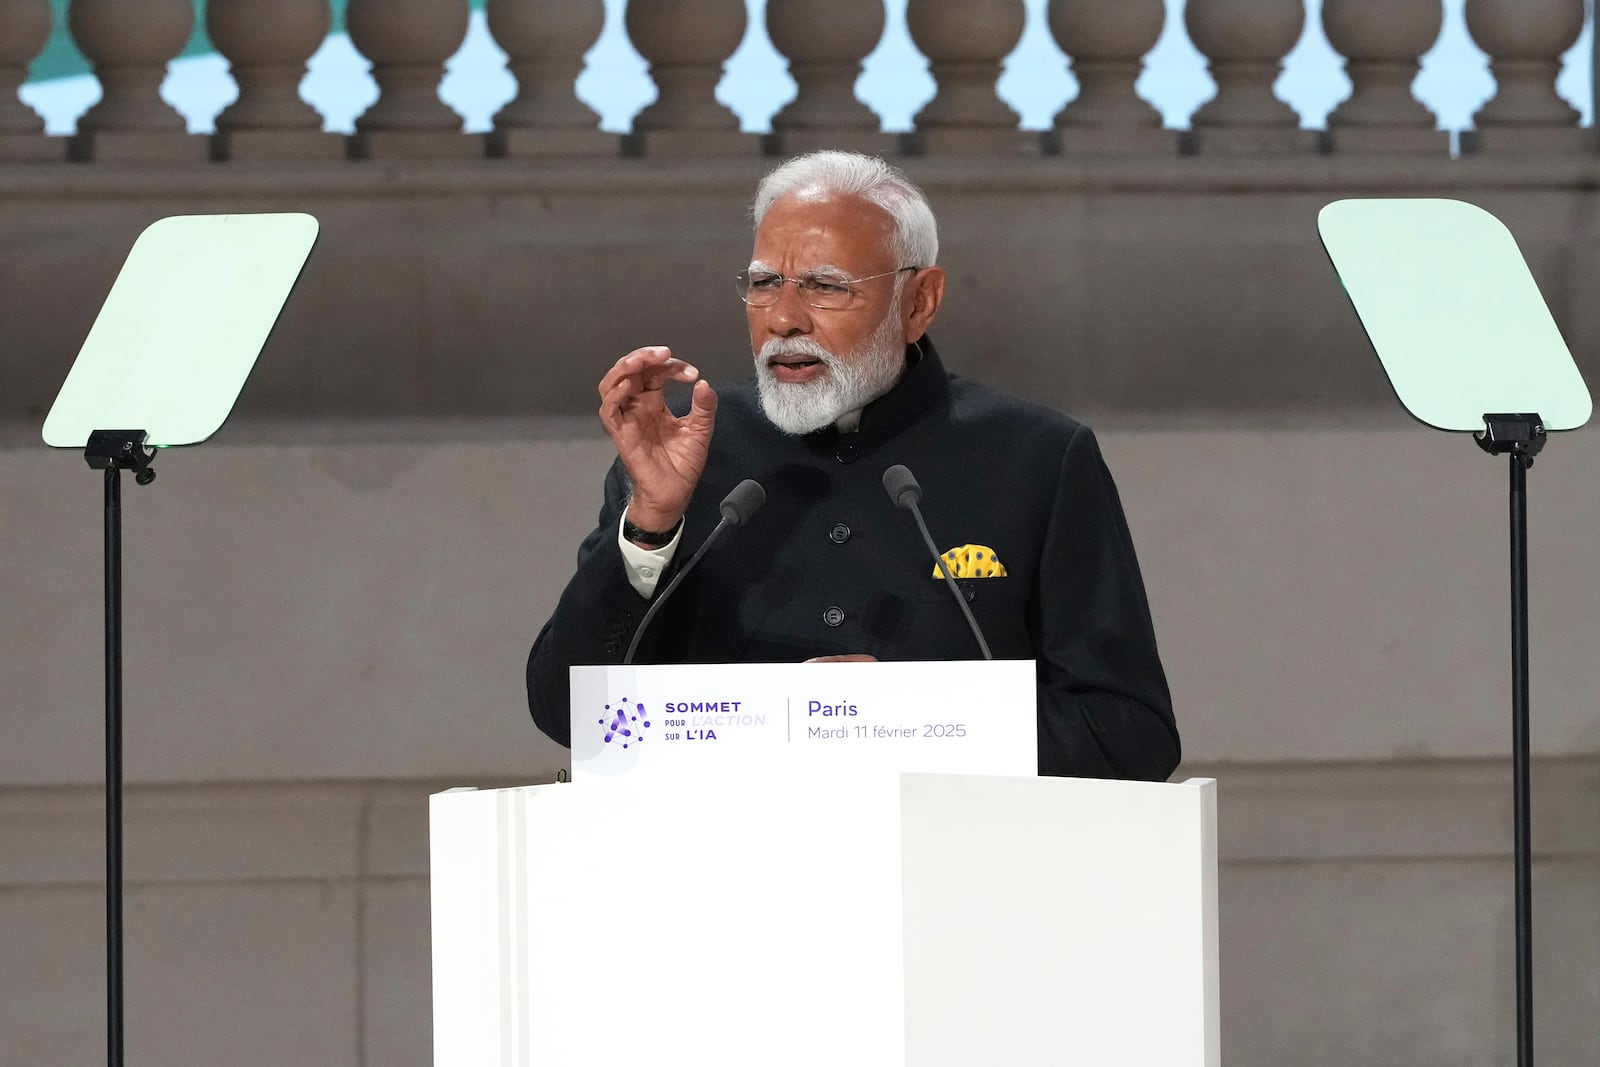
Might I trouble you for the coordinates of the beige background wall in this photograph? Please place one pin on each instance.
(328, 606)
(356, 611)
(1163, 287)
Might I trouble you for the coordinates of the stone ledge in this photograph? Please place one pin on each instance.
(205, 834)
(736, 175)
(32, 148)
(1445, 810)
(1384, 140)
(242, 145)
(377, 831)
(246, 430)
(557, 143)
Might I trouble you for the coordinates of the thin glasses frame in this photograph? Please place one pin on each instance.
(809, 287)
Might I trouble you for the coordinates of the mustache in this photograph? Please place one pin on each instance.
(796, 346)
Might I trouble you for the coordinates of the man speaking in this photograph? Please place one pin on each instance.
(839, 294)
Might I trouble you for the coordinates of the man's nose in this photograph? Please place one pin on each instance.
(789, 315)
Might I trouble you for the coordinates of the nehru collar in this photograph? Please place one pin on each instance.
(923, 384)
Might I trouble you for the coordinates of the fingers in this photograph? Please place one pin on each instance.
(631, 392)
(632, 364)
(611, 402)
(649, 369)
(853, 657)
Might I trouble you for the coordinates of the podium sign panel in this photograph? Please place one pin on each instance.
(784, 919)
(967, 716)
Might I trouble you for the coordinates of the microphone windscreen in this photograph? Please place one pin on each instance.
(901, 485)
(744, 501)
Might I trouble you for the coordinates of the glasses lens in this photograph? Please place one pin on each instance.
(827, 290)
(759, 288)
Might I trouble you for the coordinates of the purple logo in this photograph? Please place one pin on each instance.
(624, 723)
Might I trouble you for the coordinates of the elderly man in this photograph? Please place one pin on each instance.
(839, 294)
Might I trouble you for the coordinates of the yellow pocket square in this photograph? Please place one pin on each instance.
(972, 561)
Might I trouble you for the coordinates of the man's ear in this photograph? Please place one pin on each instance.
(927, 293)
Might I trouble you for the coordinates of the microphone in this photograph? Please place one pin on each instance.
(905, 493)
(736, 508)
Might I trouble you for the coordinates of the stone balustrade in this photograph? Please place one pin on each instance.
(965, 45)
(130, 47)
(686, 43)
(1108, 45)
(544, 45)
(408, 43)
(1383, 45)
(1246, 40)
(268, 59)
(24, 29)
(825, 112)
(1525, 40)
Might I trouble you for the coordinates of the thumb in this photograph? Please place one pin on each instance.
(703, 405)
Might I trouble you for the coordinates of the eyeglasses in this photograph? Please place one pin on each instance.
(826, 289)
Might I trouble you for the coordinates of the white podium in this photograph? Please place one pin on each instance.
(870, 919)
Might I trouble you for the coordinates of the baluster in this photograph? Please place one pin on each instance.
(686, 42)
(1383, 45)
(1246, 41)
(825, 42)
(408, 42)
(24, 29)
(1525, 40)
(1108, 43)
(966, 44)
(545, 41)
(267, 53)
(129, 46)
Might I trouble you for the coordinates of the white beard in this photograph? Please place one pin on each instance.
(848, 384)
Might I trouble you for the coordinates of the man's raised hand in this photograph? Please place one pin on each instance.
(664, 455)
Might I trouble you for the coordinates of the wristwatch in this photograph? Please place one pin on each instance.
(649, 538)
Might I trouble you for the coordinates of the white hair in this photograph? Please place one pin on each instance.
(915, 240)
(854, 379)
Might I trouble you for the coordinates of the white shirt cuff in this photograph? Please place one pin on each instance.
(646, 564)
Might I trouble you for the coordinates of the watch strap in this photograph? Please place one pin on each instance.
(650, 538)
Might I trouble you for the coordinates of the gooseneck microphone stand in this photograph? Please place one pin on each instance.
(1520, 437)
(743, 501)
(115, 451)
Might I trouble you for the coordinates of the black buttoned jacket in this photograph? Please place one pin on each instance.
(830, 566)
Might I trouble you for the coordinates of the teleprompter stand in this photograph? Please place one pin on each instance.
(170, 351)
(1464, 335)
(115, 451)
(1520, 438)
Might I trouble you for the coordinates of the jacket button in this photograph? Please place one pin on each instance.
(845, 452)
(839, 534)
(833, 616)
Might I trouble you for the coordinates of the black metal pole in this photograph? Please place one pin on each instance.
(114, 767)
(1520, 461)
